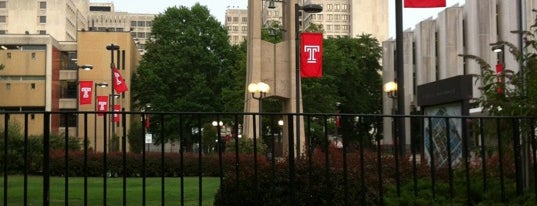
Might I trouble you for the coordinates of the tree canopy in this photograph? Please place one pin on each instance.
(189, 66)
(186, 57)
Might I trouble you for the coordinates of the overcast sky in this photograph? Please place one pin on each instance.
(218, 9)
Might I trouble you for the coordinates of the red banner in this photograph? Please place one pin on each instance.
(499, 70)
(117, 108)
(86, 90)
(311, 55)
(425, 3)
(119, 83)
(102, 104)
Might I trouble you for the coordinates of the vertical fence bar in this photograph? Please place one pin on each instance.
(448, 149)
(397, 154)
(534, 154)
(362, 183)
(85, 159)
(292, 176)
(237, 160)
(220, 151)
(200, 171)
(310, 161)
(431, 157)
(518, 158)
(466, 155)
(414, 149)
(6, 133)
(344, 141)
(256, 191)
(500, 154)
(25, 159)
(362, 171)
(273, 159)
(144, 120)
(483, 154)
(124, 153)
(105, 159)
(46, 158)
(66, 150)
(181, 158)
(162, 166)
(326, 155)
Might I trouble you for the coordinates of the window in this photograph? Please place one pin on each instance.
(133, 23)
(2, 4)
(69, 89)
(235, 28)
(141, 35)
(149, 23)
(8, 86)
(244, 19)
(3, 31)
(228, 18)
(32, 85)
(9, 55)
(3, 19)
(42, 32)
(43, 5)
(33, 55)
(244, 28)
(141, 23)
(42, 19)
(236, 19)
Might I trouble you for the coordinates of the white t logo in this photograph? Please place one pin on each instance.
(118, 81)
(102, 106)
(311, 49)
(85, 91)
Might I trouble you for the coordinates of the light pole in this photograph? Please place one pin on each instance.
(112, 48)
(261, 88)
(218, 125)
(97, 84)
(390, 88)
(309, 8)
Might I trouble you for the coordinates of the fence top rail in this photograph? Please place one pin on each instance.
(481, 116)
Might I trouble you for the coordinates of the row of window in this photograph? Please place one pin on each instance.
(142, 35)
(141, 23)
(337, 7)
(42, 4)
(337, 27)
(8, 86)
(236, 19)
(236, 28)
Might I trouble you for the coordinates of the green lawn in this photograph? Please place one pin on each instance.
(114, 191)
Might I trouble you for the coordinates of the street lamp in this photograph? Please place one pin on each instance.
(112, 48)
(390, 88)
(261, 88)
(85, 67)
(308, 8)
(218, 125)
(97, 84)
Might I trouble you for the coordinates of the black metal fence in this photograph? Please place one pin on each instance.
(345, 159)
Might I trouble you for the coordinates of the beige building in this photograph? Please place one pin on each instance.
(339, 18)
(42, 53)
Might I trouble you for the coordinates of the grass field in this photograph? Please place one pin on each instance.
(114, 191)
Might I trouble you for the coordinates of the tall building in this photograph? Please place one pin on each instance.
(60, 19)
(432, 49)
(103, 17)
(42, 51)
(338, 18)
(237, 25)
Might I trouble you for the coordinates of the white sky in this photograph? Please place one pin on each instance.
(218, 9)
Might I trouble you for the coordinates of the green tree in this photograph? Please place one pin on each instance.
(185, 67)
(351, 76)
